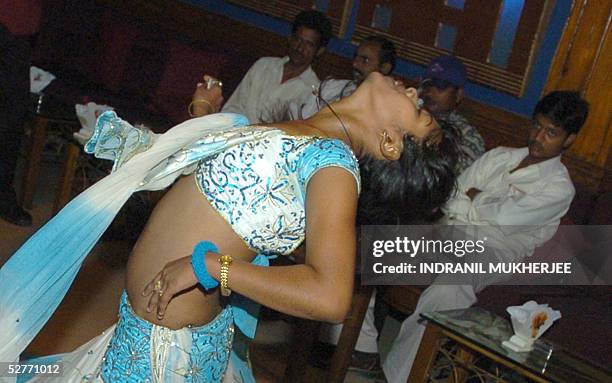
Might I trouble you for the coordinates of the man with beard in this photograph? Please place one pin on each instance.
(273, 82)
(374, 54)
(442, 90)
(516, 197)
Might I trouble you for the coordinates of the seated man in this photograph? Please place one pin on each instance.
(528, 188)
(374, 54)
(442, 91)
(273, 82)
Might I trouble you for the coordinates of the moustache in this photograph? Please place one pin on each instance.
(534, 144)
(295, 52)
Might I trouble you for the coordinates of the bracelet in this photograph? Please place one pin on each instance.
(212, 108)
(199, 266)
(225, 261)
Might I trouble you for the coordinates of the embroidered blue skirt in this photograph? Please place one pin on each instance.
(141, 351)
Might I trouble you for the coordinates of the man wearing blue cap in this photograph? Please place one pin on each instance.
(442, 91)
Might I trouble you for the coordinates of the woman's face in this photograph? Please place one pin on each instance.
(401, 103)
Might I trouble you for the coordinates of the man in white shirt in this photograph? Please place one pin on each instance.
(272, 83)
(518, 196)
(374, 54)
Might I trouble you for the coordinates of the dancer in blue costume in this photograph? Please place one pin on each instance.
(250, 192)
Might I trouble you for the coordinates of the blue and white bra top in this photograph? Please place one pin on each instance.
(259, 186)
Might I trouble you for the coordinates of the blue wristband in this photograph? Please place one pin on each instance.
(199, 266)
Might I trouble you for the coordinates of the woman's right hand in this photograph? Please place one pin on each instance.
(206, 101)
(175, 277)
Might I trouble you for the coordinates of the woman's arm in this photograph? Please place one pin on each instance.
(320, 289)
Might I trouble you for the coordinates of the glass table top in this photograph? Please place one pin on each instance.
(546, 360)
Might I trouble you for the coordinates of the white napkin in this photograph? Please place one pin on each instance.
(529, 322)
(87, 115)
(39, 79)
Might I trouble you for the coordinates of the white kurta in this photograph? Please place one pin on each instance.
(261, 96)
(523, 208)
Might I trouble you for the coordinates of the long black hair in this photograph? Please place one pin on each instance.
(412, 189)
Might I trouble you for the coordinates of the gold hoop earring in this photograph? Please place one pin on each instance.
(384, 136)
(386, 146)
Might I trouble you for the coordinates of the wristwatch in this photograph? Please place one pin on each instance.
(225, 261)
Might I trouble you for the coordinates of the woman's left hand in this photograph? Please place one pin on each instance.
(175, 277)
(206, 100)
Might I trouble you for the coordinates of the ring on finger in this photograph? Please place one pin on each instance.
(160, 292)
(212, 82)
(158, 285)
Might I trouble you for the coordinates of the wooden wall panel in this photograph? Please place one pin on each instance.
(414, 28)
(476, 29)
(580, 44)
(288, 9)
(519, 59)
(498, 127)
(583, 62)
(598, 128)
(402, 24)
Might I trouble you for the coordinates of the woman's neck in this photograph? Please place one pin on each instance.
(349, 122)
(337, 121)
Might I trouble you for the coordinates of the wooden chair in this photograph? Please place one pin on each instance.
(45, 111)
(64, 192)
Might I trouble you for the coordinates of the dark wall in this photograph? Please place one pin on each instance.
(142, 64)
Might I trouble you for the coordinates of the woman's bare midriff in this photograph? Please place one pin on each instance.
(180, 220)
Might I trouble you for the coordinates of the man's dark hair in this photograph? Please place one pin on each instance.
(314, 20)
(566, 109)
(412, 189)
(387, 50)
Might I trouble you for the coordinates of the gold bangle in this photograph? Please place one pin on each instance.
(225, 261)
(212, 108)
